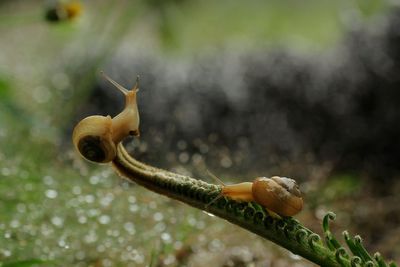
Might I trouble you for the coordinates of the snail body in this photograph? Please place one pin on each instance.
(279, 195)
(96, 137)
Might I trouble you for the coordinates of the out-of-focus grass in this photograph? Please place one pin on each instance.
(264, 23)
(54, 206)
(191, 26)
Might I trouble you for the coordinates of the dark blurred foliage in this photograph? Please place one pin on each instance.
(268, 107)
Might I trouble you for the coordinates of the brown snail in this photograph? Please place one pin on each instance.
(63, 10)
(279, 195)
(96, 137)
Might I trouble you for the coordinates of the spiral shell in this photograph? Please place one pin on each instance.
(92, 137)
(278, 194)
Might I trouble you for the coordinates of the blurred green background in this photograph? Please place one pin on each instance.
(58, 210)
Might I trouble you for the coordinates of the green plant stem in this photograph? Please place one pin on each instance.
(285, 232)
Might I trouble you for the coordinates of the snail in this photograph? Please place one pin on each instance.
(96, 137)
(63, 10)
(279, 195)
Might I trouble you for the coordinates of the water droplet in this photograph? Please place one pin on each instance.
(62, 243)
(101, 248)
(132, 199)
(243, 253)
(30, 229)
(93, 212)
(183, 157)
(203, 148)
(104, 219)
(94, 179)
(48, 180)
(115, 233)
(294, 256)
(107, 263)
(170, 259)
(111, 232)
(5, 171)
(46, 230)
(73, 202)
(166, 237)
(129, 227)
(209, 214)
(76, 190)
(216, 245)
(89, 198)
(133, 208)
(125, 184)
(14, 223)
(226, 162)
(106, 173)
(182, 145)
(82, 219)
(106, 201)
(197, 159)
(50, 193)
(137, 257)
(158, 216)
(5, 252)
(57, 221)
(91, 237)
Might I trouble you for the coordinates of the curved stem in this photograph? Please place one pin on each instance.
(285, 232)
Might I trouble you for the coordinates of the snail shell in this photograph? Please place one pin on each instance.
(278, 194)
(92, 137)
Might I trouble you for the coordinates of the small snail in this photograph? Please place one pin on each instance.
(63, 10)
(96, 137)
(279, 195)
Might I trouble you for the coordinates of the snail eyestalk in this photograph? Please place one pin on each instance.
(127, 122)
(117, 85)
(136, 87)
(215, 178)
